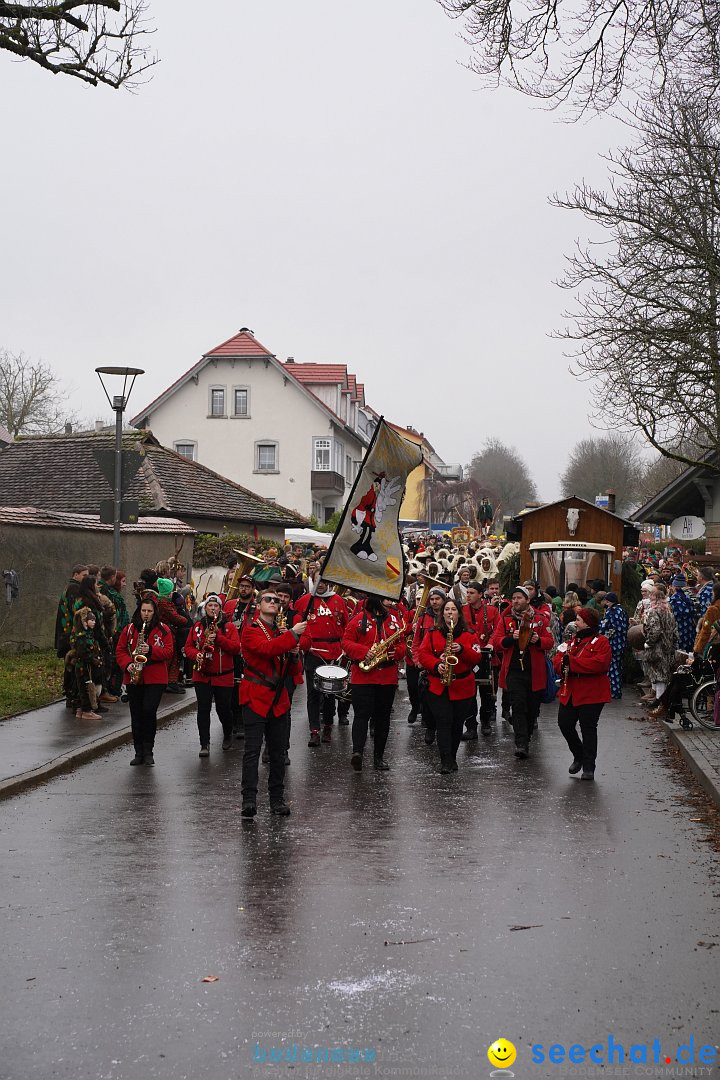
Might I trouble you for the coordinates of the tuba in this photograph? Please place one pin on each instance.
(428, 584)
(139, 660)
(244, 566)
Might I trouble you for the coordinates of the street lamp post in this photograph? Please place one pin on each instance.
(118, 403)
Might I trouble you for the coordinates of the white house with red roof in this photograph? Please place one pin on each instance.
(293, 433)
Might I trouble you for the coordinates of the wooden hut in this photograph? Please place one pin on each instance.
(571, 541)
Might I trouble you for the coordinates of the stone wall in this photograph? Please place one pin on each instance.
(43, 556)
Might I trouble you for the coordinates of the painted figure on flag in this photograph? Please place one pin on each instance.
(369, 512)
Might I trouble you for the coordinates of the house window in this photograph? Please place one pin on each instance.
(241, 401)
(348, 469)
(329, 511)
(266, 457)
(339, 454)
(186, 449)
(317, 510)
(217, 401)
(321, 454)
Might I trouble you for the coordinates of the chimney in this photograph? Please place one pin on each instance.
(611, 501)
(290, 360)
(68, 429)
(99, 425)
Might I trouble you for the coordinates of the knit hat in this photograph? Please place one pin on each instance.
(437, 591)
(521, 589)
(612, 597)
(647, 584)
(164, 586)
(212, 596)
(679, 581)
(589, 616)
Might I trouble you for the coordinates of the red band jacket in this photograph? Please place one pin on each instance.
(266, 666)
(160, 641)
(483, 621)
(220, 669)
(326, 618)
(587, 681)
(505, 645)
(361, 634)
(431, 652)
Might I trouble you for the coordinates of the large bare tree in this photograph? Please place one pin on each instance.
(502, 476)
(612, 462)
(32, 399)
(591, 50)
(646, 319)
(105, 41)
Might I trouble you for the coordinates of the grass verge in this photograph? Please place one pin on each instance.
(29, 680)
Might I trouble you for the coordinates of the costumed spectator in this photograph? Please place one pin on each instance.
(570, 602)
(451, 679)
(537, 598)
(481, 618)
(638, 619)
(146, 583)
(614, 625)
(373, 691)
(268, 655)
(108, 588)
(710, 626)
(556, 601)
(660, 641)
(683, 609)
(326, 617)
(64, 626)
(212, 644)
(521, 639)
(145, 636)
(705, 593)
(88, 597)
(85, 663)
(583, 664)
(172, 617)
(459, 589)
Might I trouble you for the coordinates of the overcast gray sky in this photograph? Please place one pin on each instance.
(327, 174)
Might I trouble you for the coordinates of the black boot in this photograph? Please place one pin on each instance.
(148, 758)
(139, 756)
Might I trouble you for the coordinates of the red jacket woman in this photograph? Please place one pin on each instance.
(432, 648)
(144, 636)
(361, 634)
(218, 666)
(584, 665)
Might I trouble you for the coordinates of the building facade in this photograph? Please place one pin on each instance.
(293, 433)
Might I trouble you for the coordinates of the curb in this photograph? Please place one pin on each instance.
(87, 752)
(707, 783)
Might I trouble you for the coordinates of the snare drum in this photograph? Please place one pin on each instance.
(332, 679)
(483, 671)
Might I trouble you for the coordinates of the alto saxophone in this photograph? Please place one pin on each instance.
(378, 653)
(449, 659)
(139, 660)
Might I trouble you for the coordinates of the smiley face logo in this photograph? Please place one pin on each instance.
(502, 1053)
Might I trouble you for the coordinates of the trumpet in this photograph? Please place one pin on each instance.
(281, 619)
(379, 652)
(428, 584)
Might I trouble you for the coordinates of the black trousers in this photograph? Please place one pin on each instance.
(275, 731)
(206, 693)
(318, 704)
(144, 701)
(487, 708)
(412, 676)
(585, 749)
(371, 701)
(524, 702)
(449, 717)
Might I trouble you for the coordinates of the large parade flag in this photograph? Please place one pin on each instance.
(366, 551)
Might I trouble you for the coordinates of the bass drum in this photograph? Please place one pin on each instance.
(332, 679)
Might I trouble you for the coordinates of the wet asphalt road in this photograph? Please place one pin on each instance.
(123, 887)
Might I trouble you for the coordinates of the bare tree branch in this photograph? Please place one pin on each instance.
(646, 322)
(592, 50)
(105, 41)
(32, 400)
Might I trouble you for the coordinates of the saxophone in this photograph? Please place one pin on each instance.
(378, 653)
(139, 660)
(449, 659)
(206, 649)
